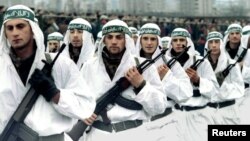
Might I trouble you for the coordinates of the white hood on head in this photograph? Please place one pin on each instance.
(25, 13)
(133, 30)
(88, 47)
(149, 28)
(246, 30)
(183, 33)
(232, 28)
(236, 28)
(244, 41)
(222, 60)
(54, 36)
(166, 40)
(97, 42)
(28, 15)
(117, 26)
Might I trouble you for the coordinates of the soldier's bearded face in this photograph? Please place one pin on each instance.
(115, 42)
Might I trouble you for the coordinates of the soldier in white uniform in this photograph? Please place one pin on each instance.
(244, 102)
(236, 48)
(231, 82)
(97, 42)
(194, 113)
(134, 33)
(54, 42)
(232, 40)
(175, 81)
(115, 60)
(79, 40)
(62, 99)
(165, 41)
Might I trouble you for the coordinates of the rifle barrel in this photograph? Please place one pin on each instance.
(109, 97)
(199, 61)
(25, 106)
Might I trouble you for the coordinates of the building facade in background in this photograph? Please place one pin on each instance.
(200, 8)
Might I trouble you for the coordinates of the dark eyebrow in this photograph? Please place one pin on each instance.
(116, 36)
(19, 26)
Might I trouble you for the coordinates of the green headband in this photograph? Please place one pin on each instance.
(246, 32)
(180, 33)
(234, 29)
(134, 31)
(150, 31)
(164, 42)
(120, 29)
(55, 38)
(19, 13)
(214, 35)
(80, 27)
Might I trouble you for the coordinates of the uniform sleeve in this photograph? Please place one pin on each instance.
(176, 84)
(246, 74)
(246, 68)
(208, 82)
(151, 96)
(76, 100)
(233, 85)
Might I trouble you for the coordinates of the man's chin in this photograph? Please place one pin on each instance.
(18, 47)
(116, 51)
(76, 45)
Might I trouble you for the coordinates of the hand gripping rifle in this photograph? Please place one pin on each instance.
(222, 75)
(226, 71)
(173, 60)
(197, 63)
(110, 96)
(230, 66)
(11, 129)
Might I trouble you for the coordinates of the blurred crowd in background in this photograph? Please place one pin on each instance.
(198, 27)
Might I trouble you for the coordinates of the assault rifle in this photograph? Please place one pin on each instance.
(173, 60)
(197, 63)
(226, 71)
(222, 75)
(11, 129)
(110, 96)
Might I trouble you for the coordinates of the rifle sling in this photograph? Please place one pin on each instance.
(219, 75)
(242, 55)
(127, 103)
(28, 99)
(21, 112)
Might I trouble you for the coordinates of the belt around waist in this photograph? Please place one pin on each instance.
(221, 104)
(117, 127)
(188, 108)
(24, 133)
(165, 113)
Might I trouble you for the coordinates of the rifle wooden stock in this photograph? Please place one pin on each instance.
(110, 96)
(25, 106)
